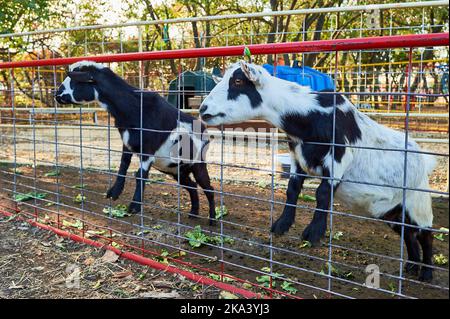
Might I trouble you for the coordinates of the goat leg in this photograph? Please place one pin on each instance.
(115, 191)
(286, 219)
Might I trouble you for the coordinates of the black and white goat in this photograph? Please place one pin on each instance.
(248, 91)
(149, 117)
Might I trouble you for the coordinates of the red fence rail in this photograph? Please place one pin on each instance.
(386, 42)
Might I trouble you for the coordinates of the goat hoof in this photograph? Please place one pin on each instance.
(113, 193)
(412, 269)
(134, 208)
(193, 214)
(426, 274)
(281, 226)
(313, 233)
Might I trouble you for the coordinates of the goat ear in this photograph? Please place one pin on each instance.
(81, 76)
(250, 72)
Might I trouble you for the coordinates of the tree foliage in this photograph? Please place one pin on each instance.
(20, 15)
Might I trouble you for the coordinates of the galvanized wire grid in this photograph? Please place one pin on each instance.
(139, 231)
(248, 253)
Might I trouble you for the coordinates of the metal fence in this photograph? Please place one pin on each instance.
(361, 75)
(56, 167)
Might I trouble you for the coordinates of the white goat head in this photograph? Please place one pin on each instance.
(237, 97)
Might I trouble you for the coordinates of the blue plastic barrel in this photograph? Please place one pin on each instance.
(303, 75)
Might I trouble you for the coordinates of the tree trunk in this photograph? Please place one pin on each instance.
(273, 29)
(8, 97)
(311, 58)
(197, 44)
(160, 30)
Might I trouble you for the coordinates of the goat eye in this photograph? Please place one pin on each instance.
(238, 82)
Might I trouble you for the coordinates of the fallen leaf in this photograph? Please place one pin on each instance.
(110, 257)
(76, 224)
(52, 173)
(247, 285)
(59, 245)
(97, 285)
(162, 284)
(307, 198)
(122, 274)
(89, 261)
(287, 286)
(119, 211)
(28, 196)
(440, 260)
(305, 244)
(227, 295)
(116, 245)
(337, 235)
(94, 233)
(79, 198)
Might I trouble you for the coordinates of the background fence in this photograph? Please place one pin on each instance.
(58, 162)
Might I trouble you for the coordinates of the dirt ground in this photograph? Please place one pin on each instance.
(36, 263)
(356, 242)
(98, 148)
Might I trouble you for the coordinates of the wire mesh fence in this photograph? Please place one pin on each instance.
(58, 163)
(361, 73)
